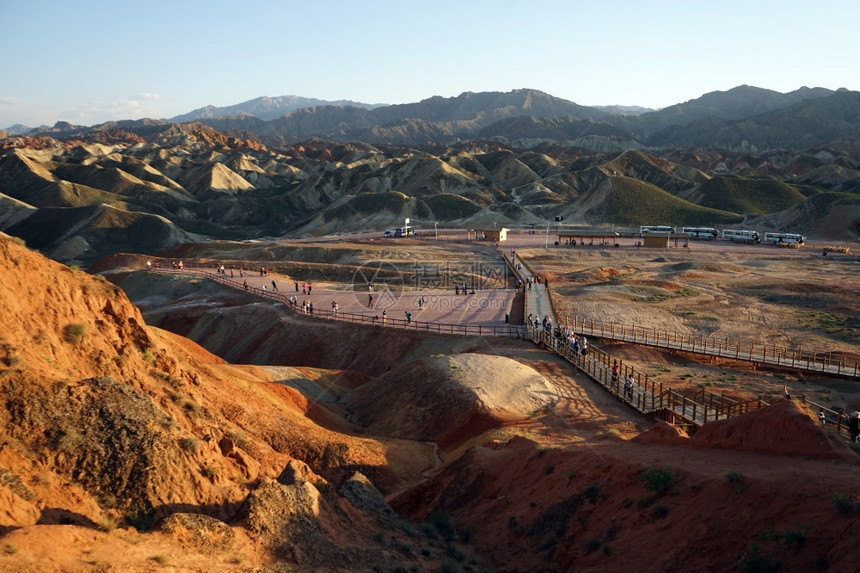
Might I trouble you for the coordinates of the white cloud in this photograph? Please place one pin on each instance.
(27, 112)
(96, 112)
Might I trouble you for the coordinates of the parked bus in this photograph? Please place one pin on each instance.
(701, 232)
(656, 229)
(741, 235)
(787, 238)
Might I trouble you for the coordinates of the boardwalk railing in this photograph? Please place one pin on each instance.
(375, 319)
(654, 399)
(648, 396)
(511, 262)
(831, 417)
(825, 362)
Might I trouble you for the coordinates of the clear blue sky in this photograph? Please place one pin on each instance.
(91, 61)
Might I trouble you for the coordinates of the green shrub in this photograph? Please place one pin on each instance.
(190, 444)
(845, 503)
(659, 480)
(74, 333)
(541, 450)
(237, 437)
(591, 492)
(108, 523)
(149, 357)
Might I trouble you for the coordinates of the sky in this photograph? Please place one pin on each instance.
(92, 61)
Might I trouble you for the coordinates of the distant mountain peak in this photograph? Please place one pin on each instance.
(264, 107)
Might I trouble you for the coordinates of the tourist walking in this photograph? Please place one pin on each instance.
(854, 425)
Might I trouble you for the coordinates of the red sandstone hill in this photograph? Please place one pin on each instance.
(111, 427)
(661, 502)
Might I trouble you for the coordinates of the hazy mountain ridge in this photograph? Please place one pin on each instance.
(265, 108)
(743, 118)
(726, 119)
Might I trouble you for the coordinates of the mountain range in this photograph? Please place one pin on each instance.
(747, 157)
(744, 118)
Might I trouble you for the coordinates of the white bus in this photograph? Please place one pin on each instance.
(787, 238)
(741, 235)
(656, 229)
(701, 232)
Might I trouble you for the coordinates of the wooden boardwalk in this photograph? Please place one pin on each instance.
(648, 397)
(799, 359)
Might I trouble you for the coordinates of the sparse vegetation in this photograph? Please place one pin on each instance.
(632, 197)
(10, 549)
(108, 523)
(659, 480)
(190, 444)
(74, 333)
(193, 408)
(659, 512)
(541, 450)
(238, 437)
(148, 357)
(591, 492)
(845, 503)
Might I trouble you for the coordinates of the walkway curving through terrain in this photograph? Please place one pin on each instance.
(487, 313)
